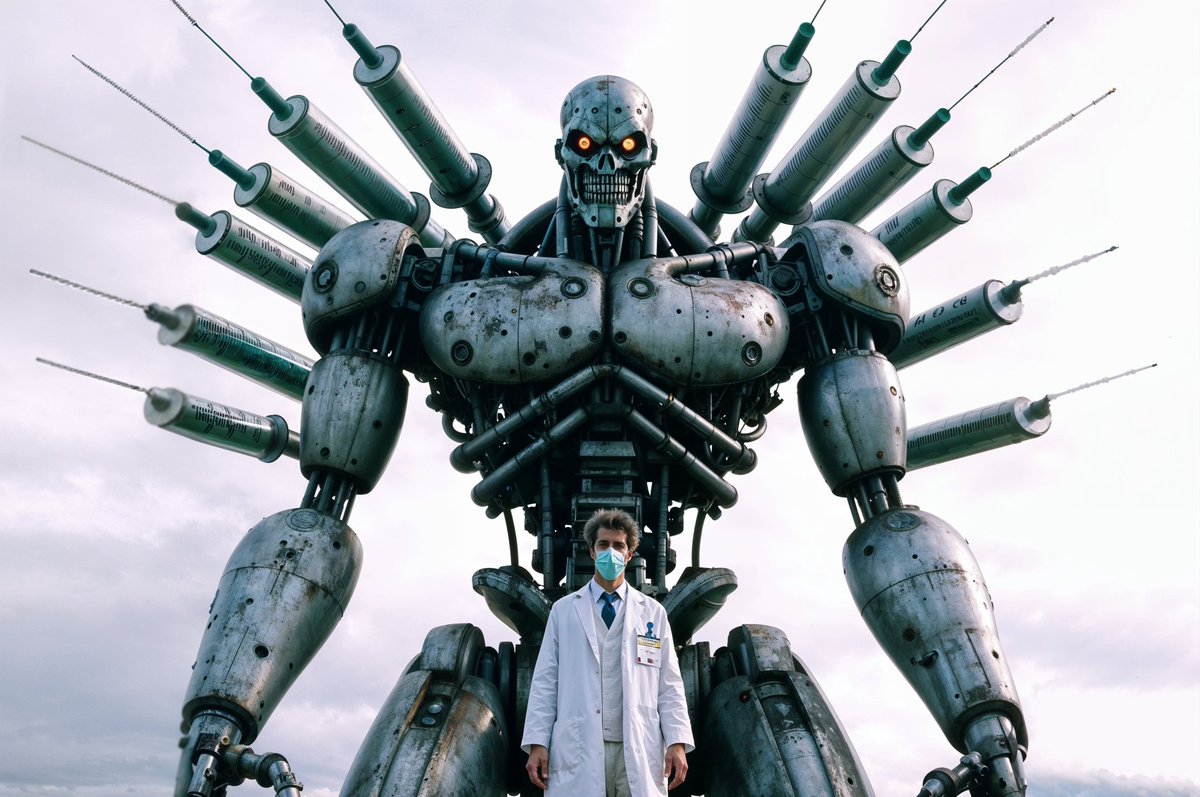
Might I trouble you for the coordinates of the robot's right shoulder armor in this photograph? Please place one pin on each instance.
(850, 268)
(360, 268)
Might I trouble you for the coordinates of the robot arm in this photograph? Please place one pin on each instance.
(289, 580)
(912, 575)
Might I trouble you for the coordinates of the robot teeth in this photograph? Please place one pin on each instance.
(608, 189)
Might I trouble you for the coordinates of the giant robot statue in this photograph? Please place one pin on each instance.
(603, 352)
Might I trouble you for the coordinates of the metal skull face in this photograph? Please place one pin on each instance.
(606, 149)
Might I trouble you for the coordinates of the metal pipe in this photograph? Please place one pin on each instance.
(722, 491)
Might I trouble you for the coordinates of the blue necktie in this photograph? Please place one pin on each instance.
(608, 613)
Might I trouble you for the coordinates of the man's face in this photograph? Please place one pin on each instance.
(608, 538)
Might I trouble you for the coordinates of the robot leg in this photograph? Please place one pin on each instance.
(767, 727)
(924, 598)
(442, 731)
(284, 589)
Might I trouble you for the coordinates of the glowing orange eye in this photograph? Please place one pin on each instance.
(583, 144)
(628, 144)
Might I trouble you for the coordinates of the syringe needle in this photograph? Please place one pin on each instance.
(133, 97)
(86, 289)
(1105, 380)
(1012, 291)
(82, 372)
(335, 13)
(1015, 50)
(106, 172)
(926, 22)
(1052, 128)
(196, 24)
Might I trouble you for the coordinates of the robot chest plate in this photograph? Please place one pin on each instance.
(513, 330)
(695, 331)
(690, 330)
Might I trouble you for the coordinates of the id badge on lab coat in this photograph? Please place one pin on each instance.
(649, 651)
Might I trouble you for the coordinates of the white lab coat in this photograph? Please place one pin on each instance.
(564, 699)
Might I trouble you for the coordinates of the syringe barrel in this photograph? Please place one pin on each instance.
(978, 430)
(955, 321)
(923, 221)
(879, 175)
(265, 438)
(722, 184)
(290, 206)
(254, 254)
(458, 177)
(340, 161)
(236, 348)
(838, 129)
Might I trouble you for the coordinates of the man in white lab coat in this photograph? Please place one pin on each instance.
(607, 713)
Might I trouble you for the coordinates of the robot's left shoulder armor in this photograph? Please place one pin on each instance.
(695, 330)
(846, 267)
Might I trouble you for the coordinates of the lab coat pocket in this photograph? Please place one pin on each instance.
(566, 744)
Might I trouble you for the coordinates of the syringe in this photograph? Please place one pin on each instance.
(987, 428)
(337, 159)
(221, 342)
(266, 191)
(247, 250)
(459, 179)
(966, 316)
(894, 162)
(263, 437)
(782, 197)
(945, 206)
(722, 184)
(229, 240)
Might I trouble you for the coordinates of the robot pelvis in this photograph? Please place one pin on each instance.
(452, 725)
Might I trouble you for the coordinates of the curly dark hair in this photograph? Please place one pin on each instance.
(616, 520)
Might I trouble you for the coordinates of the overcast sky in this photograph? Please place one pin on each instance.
(114, 533)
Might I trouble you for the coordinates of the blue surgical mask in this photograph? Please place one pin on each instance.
(610, 564)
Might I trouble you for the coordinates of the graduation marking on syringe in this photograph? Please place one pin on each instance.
(1052, 128)
(82, 372)
(1104, 381)
(133, 97)
(196, 24)
(1015, 50)
(105, 172)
